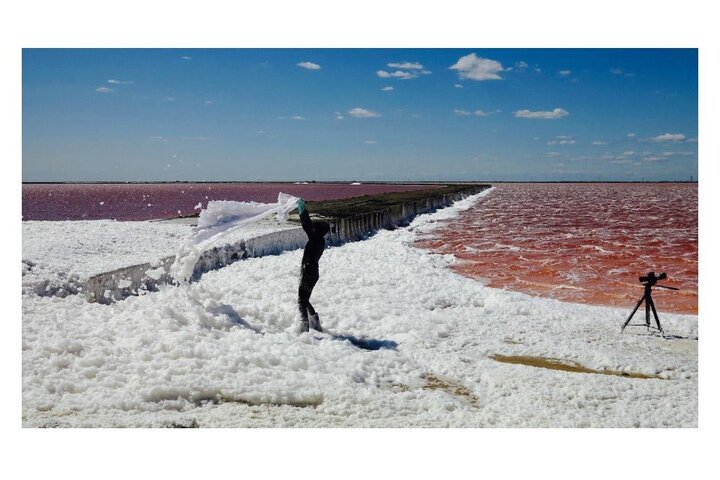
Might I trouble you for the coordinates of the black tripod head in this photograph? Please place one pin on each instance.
(650, 280)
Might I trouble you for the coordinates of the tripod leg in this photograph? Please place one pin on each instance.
(633, 313)
(657, 320)
(647, 310)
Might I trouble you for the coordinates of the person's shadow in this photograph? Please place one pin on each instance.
(679, 337)
(368, 343)
(234, 317)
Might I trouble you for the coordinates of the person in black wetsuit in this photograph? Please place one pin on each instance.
(309, 270)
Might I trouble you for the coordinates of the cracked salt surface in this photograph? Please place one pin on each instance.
(223, 351)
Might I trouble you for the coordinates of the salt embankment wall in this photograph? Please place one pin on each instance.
(359, 226)
(349, 225)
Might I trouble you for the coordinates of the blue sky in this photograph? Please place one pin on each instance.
(359, 114)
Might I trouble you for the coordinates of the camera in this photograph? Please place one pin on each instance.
(651, 278)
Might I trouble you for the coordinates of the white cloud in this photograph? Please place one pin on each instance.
(339, 115)
(599, 142)
(472, 67)
(406, 65)
(362, 113)
(457, 85)
(293, 117)
(158, 138)
(669, 137)
(543, 115)
(118, 82)
(309, 65)
(478, 113)
(629, 153)
(402, 75)
(677, 154)
(370, 142)
(208, 102)
(631, 135)
(521, 64)
(564, 73)
(185, 57)
(563, 141)
(692, 140)
(297, 117)
(387, 89)
(103, 89)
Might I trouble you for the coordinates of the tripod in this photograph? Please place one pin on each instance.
(649, 281)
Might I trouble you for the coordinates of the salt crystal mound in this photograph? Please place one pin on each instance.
(219, 219)
(222, 352)
(59, 257)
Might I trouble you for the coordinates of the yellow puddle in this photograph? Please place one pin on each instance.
(565, 366)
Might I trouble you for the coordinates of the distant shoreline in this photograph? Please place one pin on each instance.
(336, 182)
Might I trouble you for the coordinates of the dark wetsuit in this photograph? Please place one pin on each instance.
(309, 271)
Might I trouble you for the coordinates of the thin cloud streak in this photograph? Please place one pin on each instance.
(554, 114)
(362, 113)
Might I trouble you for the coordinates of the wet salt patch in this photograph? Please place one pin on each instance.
(568, 366)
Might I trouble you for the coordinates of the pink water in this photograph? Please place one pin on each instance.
(152, 201)
(581, 242)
